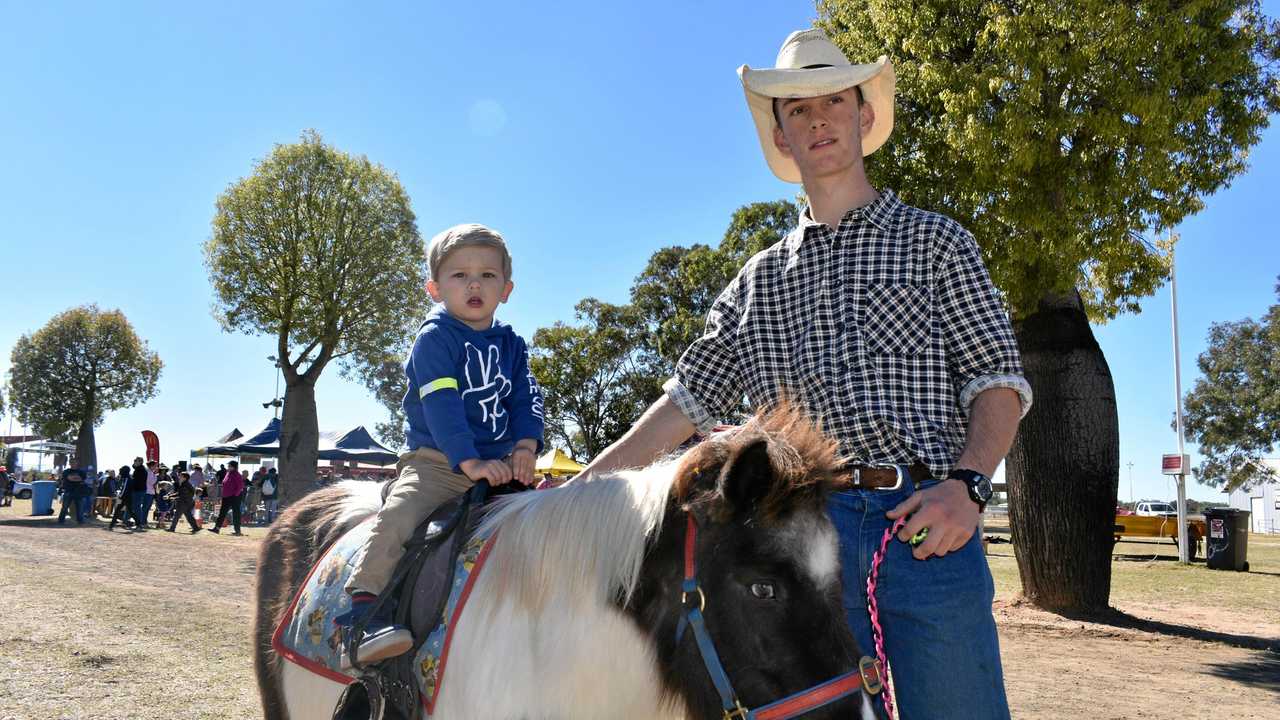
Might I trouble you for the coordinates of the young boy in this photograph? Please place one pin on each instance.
(474, 413)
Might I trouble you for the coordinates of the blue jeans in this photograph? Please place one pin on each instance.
(939, 633)
(71, 500)
(139, 506)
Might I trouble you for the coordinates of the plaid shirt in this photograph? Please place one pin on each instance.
(886, 329)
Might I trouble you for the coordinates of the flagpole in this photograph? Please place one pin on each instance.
(1183, 554)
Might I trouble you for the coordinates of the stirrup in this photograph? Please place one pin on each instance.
(386, 642)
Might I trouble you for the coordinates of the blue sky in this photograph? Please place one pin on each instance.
(590, 135)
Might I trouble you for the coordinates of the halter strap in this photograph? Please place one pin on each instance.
(868, 674)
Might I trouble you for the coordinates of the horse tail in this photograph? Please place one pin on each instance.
(295, 542)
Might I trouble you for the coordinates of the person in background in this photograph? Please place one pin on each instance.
(123, 506)
(232, 495)
(5, 500)
(138, 503)
(87, 493)
(73, 490)
(271, 494)
(184, 497)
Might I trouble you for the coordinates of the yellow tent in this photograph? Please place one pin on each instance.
(554, 462)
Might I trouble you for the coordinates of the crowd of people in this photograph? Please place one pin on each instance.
(151, 494)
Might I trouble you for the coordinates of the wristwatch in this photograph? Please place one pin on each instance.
(979, 485)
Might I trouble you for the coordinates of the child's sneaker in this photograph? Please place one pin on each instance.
(382, 638)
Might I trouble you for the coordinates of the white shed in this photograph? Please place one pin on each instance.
(1262, 501)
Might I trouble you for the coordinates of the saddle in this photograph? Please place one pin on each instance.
(421, 588)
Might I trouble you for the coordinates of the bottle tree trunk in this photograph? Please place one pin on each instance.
(299, 440)
(86, 446)
(1064, 467)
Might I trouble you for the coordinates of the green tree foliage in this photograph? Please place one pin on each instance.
(1233, 411)
(83, 363)
(678, 286)
(1060, 133)
(596, 376)
(319, 249)
(386, 380)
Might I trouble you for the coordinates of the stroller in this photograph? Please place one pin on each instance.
(164, 502)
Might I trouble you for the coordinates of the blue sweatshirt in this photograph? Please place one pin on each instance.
(471, 394)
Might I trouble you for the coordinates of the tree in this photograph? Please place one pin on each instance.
(83, 363)
(1233, 411)
(385, 378)
(319, 249)
(596, 377)
(678, 286)
(1062, 134)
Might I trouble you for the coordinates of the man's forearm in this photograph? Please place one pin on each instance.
(659, 431)
(993, 421)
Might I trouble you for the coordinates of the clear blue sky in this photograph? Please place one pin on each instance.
(589, 134)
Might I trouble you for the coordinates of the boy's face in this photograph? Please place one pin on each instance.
(823, 134)
(471, 285)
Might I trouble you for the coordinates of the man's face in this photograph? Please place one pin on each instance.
(823, 134)
(471, 285)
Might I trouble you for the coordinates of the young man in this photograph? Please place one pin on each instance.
(881, 319)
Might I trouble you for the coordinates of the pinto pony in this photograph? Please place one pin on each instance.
(585, 607)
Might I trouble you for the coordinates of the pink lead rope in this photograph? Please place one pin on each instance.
(877, 634)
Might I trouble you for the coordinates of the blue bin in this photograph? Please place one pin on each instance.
(42, 493)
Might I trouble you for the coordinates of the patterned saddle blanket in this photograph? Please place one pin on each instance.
(308, 637)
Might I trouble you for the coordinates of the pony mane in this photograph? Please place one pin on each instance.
(585, 540)
(805, 462)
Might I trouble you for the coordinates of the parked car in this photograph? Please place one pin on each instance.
(21, 489)
(1154, 508)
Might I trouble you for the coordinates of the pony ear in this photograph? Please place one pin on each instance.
(748, 477)
(699, 469)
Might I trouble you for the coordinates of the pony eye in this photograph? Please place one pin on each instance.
(763, 590)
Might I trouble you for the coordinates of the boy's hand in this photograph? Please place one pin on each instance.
(495, 471)
(522, 461)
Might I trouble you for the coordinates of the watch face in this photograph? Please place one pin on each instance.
(983, 485)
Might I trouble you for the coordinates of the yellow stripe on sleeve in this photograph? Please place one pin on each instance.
(437, 384)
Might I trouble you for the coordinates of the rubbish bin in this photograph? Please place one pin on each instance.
(42, 492)
(1227, 546)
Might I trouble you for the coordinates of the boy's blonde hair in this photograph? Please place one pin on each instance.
(466, 235)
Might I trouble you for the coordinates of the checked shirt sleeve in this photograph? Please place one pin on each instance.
(707, 382)
(981, 349)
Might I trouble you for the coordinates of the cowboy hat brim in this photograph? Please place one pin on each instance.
(877, 81)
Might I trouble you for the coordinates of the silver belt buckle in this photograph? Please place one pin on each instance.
(900, 472)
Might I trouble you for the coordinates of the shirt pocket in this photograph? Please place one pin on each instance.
(898, 319)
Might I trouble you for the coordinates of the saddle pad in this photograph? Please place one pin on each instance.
(308, 637)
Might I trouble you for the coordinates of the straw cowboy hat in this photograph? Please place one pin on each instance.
(810, 65)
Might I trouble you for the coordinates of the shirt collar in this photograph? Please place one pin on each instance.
(878, 212)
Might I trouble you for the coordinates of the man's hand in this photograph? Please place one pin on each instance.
(496, 472)
(522, 461)
(946, 510)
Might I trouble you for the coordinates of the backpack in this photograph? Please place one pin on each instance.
(268, 486)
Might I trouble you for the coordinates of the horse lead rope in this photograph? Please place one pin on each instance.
(877, 634)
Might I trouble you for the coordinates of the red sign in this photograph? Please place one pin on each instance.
(153, 446)
(1175, 464)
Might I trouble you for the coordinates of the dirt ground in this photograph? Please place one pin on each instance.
(104, 624)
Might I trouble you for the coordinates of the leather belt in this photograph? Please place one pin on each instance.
(885, 477)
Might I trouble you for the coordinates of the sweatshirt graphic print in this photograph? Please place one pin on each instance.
(470, 394)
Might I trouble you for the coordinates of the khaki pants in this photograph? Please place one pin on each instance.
(426, 482)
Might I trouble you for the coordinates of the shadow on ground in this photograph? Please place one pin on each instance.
(1118, 619)
(1260, 671)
